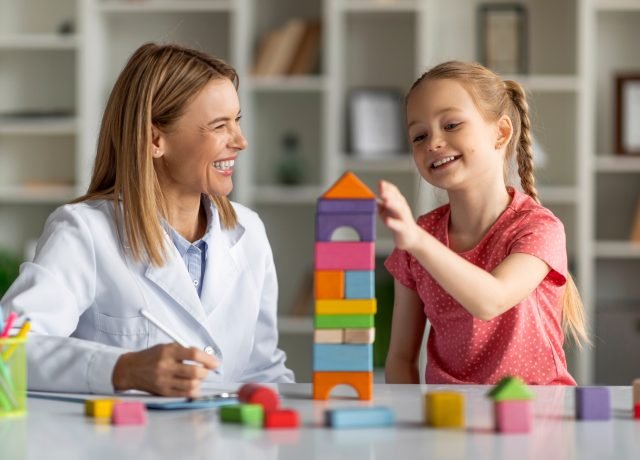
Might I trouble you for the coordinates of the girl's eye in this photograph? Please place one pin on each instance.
(419, 138)
(450, 126)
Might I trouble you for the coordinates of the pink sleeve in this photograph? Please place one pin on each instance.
(541, 234)
(398, 265)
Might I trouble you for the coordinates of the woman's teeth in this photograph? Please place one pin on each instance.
(443, 161)
(224, 165)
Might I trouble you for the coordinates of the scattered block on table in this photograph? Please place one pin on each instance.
(281, 418)
(324, 382)
(359, 417)
(359, 335)
(245, 414)
(99, 408)
(129, 413)
(342, 357)
(636, 411)
(329, 284)
(444, 409)
(510, 389)
(592, 403)
(349, 186)
(347, 206)
(344, 255)
(363, 224)
(359, 284)
(636, 391)
(252, 393)
(513, 416)
(328, 336)
(343, 321)
(346, 306)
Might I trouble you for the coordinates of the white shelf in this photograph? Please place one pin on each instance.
(617, 5)
(53, 194)
(558, 194)
(617, 163)
(547, 83)
(617, 250)
(39, 126)
(295, 325)
(149, 6)
(288, 84)
(401, 162)
(38, 42)
(281, 194)
(381, 5)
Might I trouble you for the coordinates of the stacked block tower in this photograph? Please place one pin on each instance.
(344, 290)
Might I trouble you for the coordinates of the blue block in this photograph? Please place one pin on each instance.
(343, 357)
(359, 284)
(593, 403)
(333, 206)
(359, 417)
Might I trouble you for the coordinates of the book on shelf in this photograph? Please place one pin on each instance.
(307, 56)
(635, 230)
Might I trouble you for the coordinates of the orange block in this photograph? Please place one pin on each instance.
(329, 284)
(349, 186)
(324, 382)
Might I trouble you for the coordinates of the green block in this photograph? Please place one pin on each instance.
(343, 321)
(246, 414)
(510, 389)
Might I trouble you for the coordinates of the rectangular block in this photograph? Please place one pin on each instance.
(359, 417)
(359, 284)
(329, 284)
(245, 414)
(328, 336)
(636, 391)
(344, 255)
(343, 321)
(345, 206)
(332, 357)
(359, 335)
(346, 307)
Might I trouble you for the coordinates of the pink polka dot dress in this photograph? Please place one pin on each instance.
(527, 339)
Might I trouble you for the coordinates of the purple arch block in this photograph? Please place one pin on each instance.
(346, 206)
(364, 224)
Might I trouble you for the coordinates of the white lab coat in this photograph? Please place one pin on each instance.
(84, 296)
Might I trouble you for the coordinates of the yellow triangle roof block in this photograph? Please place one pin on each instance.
(349, 186)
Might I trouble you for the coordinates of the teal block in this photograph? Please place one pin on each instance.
(359, 417)
(343, 357)
(359, 284)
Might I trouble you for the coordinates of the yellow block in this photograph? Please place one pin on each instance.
(444, 409)
(99, 408)
(346, 307)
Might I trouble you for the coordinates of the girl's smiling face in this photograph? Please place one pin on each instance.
(453, 145)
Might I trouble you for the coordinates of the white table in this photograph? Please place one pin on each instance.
(59, 430)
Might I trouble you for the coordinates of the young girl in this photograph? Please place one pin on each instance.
(489, 269)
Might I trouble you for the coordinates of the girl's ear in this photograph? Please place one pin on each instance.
(505, 131)
(157, 142)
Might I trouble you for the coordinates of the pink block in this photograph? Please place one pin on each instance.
(513, 416)
(129, 413)
(344, 255)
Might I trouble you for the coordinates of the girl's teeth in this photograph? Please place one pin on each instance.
(443, 161)
(227, 164)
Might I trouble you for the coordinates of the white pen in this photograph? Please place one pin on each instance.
(163, 328)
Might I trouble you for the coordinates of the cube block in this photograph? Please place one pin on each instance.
(329, 284)
(359, 284)
(592, 403)
(99, 408)
(444, 409)
(513, 416)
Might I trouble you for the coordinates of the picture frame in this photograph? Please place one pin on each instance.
(627, 114)
(376, 128)
(503, 37)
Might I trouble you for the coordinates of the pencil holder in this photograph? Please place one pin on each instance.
(13, 377)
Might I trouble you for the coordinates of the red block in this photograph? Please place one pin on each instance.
(129, 413)
(252, 393)
(282, 418)
(636, 411)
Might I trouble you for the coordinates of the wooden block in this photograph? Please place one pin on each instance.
(359, 284)
(342, 357)
(324, 382)
(129, 413)
(359, 417)
(336, 206)
(636, 391)
(99, 408)
(513, 416)
(343, 321)
(510, 389)
(444, 409)
(343, 255)
(281, 418)
(329, 284)
(349, 186)
(346, 307)
(329, 335)
(636, 411)
(245, 414)
(592, 403)
(252, 393)
(360, 335)
(363, 224)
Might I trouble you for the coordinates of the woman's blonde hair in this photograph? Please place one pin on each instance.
(494, 98)
(154, 89)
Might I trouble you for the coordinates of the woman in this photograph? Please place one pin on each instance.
(155, 236)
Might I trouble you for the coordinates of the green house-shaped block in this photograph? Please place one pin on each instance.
(510, 389)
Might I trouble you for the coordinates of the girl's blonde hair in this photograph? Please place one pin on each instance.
(494, 98)
(154, 89)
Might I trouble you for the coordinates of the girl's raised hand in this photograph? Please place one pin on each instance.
(396, 214)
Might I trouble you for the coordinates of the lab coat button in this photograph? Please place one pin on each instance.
(195, 282)
(208, 350)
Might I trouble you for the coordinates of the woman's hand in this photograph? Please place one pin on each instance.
(396, 215)
(161, 370)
